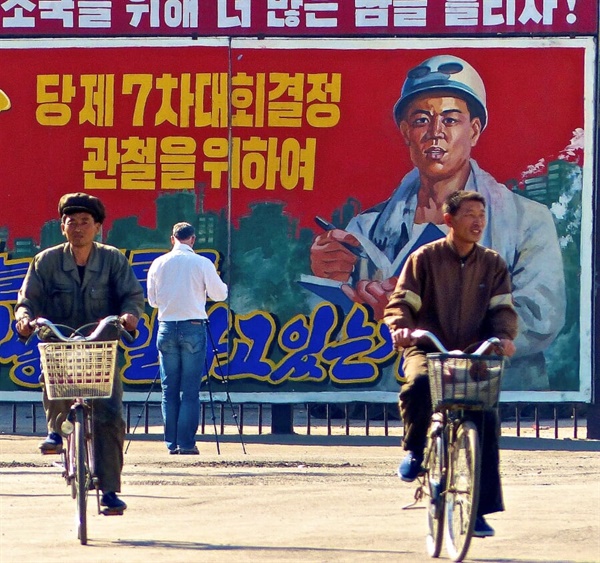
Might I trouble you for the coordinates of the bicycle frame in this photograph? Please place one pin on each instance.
(460, 384)
(445, 488)
(68, 429)
(79, 462)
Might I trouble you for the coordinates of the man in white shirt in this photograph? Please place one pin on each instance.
(178, 285)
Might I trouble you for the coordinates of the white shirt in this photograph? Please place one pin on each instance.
(179, 283)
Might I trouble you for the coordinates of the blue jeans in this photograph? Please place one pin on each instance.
(182, 353)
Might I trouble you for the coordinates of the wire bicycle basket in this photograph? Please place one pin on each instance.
(78, 369)
(464, 381)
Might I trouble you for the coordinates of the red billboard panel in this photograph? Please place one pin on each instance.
(296, 18)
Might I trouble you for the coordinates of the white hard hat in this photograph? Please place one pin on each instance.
(445, 72)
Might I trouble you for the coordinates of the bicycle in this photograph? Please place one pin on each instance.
(460, 383)
(79, 367)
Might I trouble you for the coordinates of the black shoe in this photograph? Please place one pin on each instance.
(53, 444)
(482, 528)
(189, 451)
(174, 452)
(112, 503)
(410, 468)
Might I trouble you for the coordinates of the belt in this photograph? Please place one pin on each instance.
(204, 321)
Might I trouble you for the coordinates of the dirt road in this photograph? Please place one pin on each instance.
(310, 499)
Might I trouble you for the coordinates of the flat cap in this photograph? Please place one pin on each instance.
(82, 203)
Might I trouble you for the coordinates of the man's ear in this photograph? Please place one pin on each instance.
(404, 132)
(448, 220)
(475, 130)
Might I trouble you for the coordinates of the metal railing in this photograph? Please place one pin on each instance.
(366, 419)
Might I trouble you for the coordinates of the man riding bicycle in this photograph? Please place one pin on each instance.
(73, 284)
(461, 292)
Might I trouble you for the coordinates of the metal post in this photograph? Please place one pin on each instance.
(282, 419)
(593, 413)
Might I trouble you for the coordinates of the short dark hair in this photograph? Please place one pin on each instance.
(183, 231)
(455, 200)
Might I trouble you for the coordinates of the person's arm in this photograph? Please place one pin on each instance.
(151, 285)
(507, 347)
(129, 291)
(402, 311)
(216, 288)
(30, 294)
(538, 278)
(502, 315)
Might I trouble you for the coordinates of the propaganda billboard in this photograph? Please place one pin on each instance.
(277, 18)
(266, 146)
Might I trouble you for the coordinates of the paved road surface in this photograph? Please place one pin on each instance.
(293, 498)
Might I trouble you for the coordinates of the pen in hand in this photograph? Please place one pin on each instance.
(327, 226)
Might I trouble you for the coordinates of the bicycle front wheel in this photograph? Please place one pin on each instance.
(435, 476)
(81, 474)
(462, 496)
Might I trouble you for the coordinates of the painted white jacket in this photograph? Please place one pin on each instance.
(522, 231)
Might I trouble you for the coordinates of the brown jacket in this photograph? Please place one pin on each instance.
(461, 300)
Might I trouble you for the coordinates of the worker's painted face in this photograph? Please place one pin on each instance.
(468, 223)
(440, 134)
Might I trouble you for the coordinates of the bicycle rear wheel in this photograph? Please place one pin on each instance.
(81, 474)
(462, 496)
(435, 476)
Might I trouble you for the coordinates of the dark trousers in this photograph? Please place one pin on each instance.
(416, 410)
(109, 432)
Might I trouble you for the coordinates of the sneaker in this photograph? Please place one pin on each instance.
(410, 468)
(482, 528)
(189, 451)
(112, 502)
(53, 444)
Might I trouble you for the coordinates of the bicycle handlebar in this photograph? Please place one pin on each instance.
(111, 320)
(418, 333)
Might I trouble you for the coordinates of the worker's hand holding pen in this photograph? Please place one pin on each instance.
(334, 253)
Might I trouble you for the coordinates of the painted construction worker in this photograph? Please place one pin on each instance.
(441, 113)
